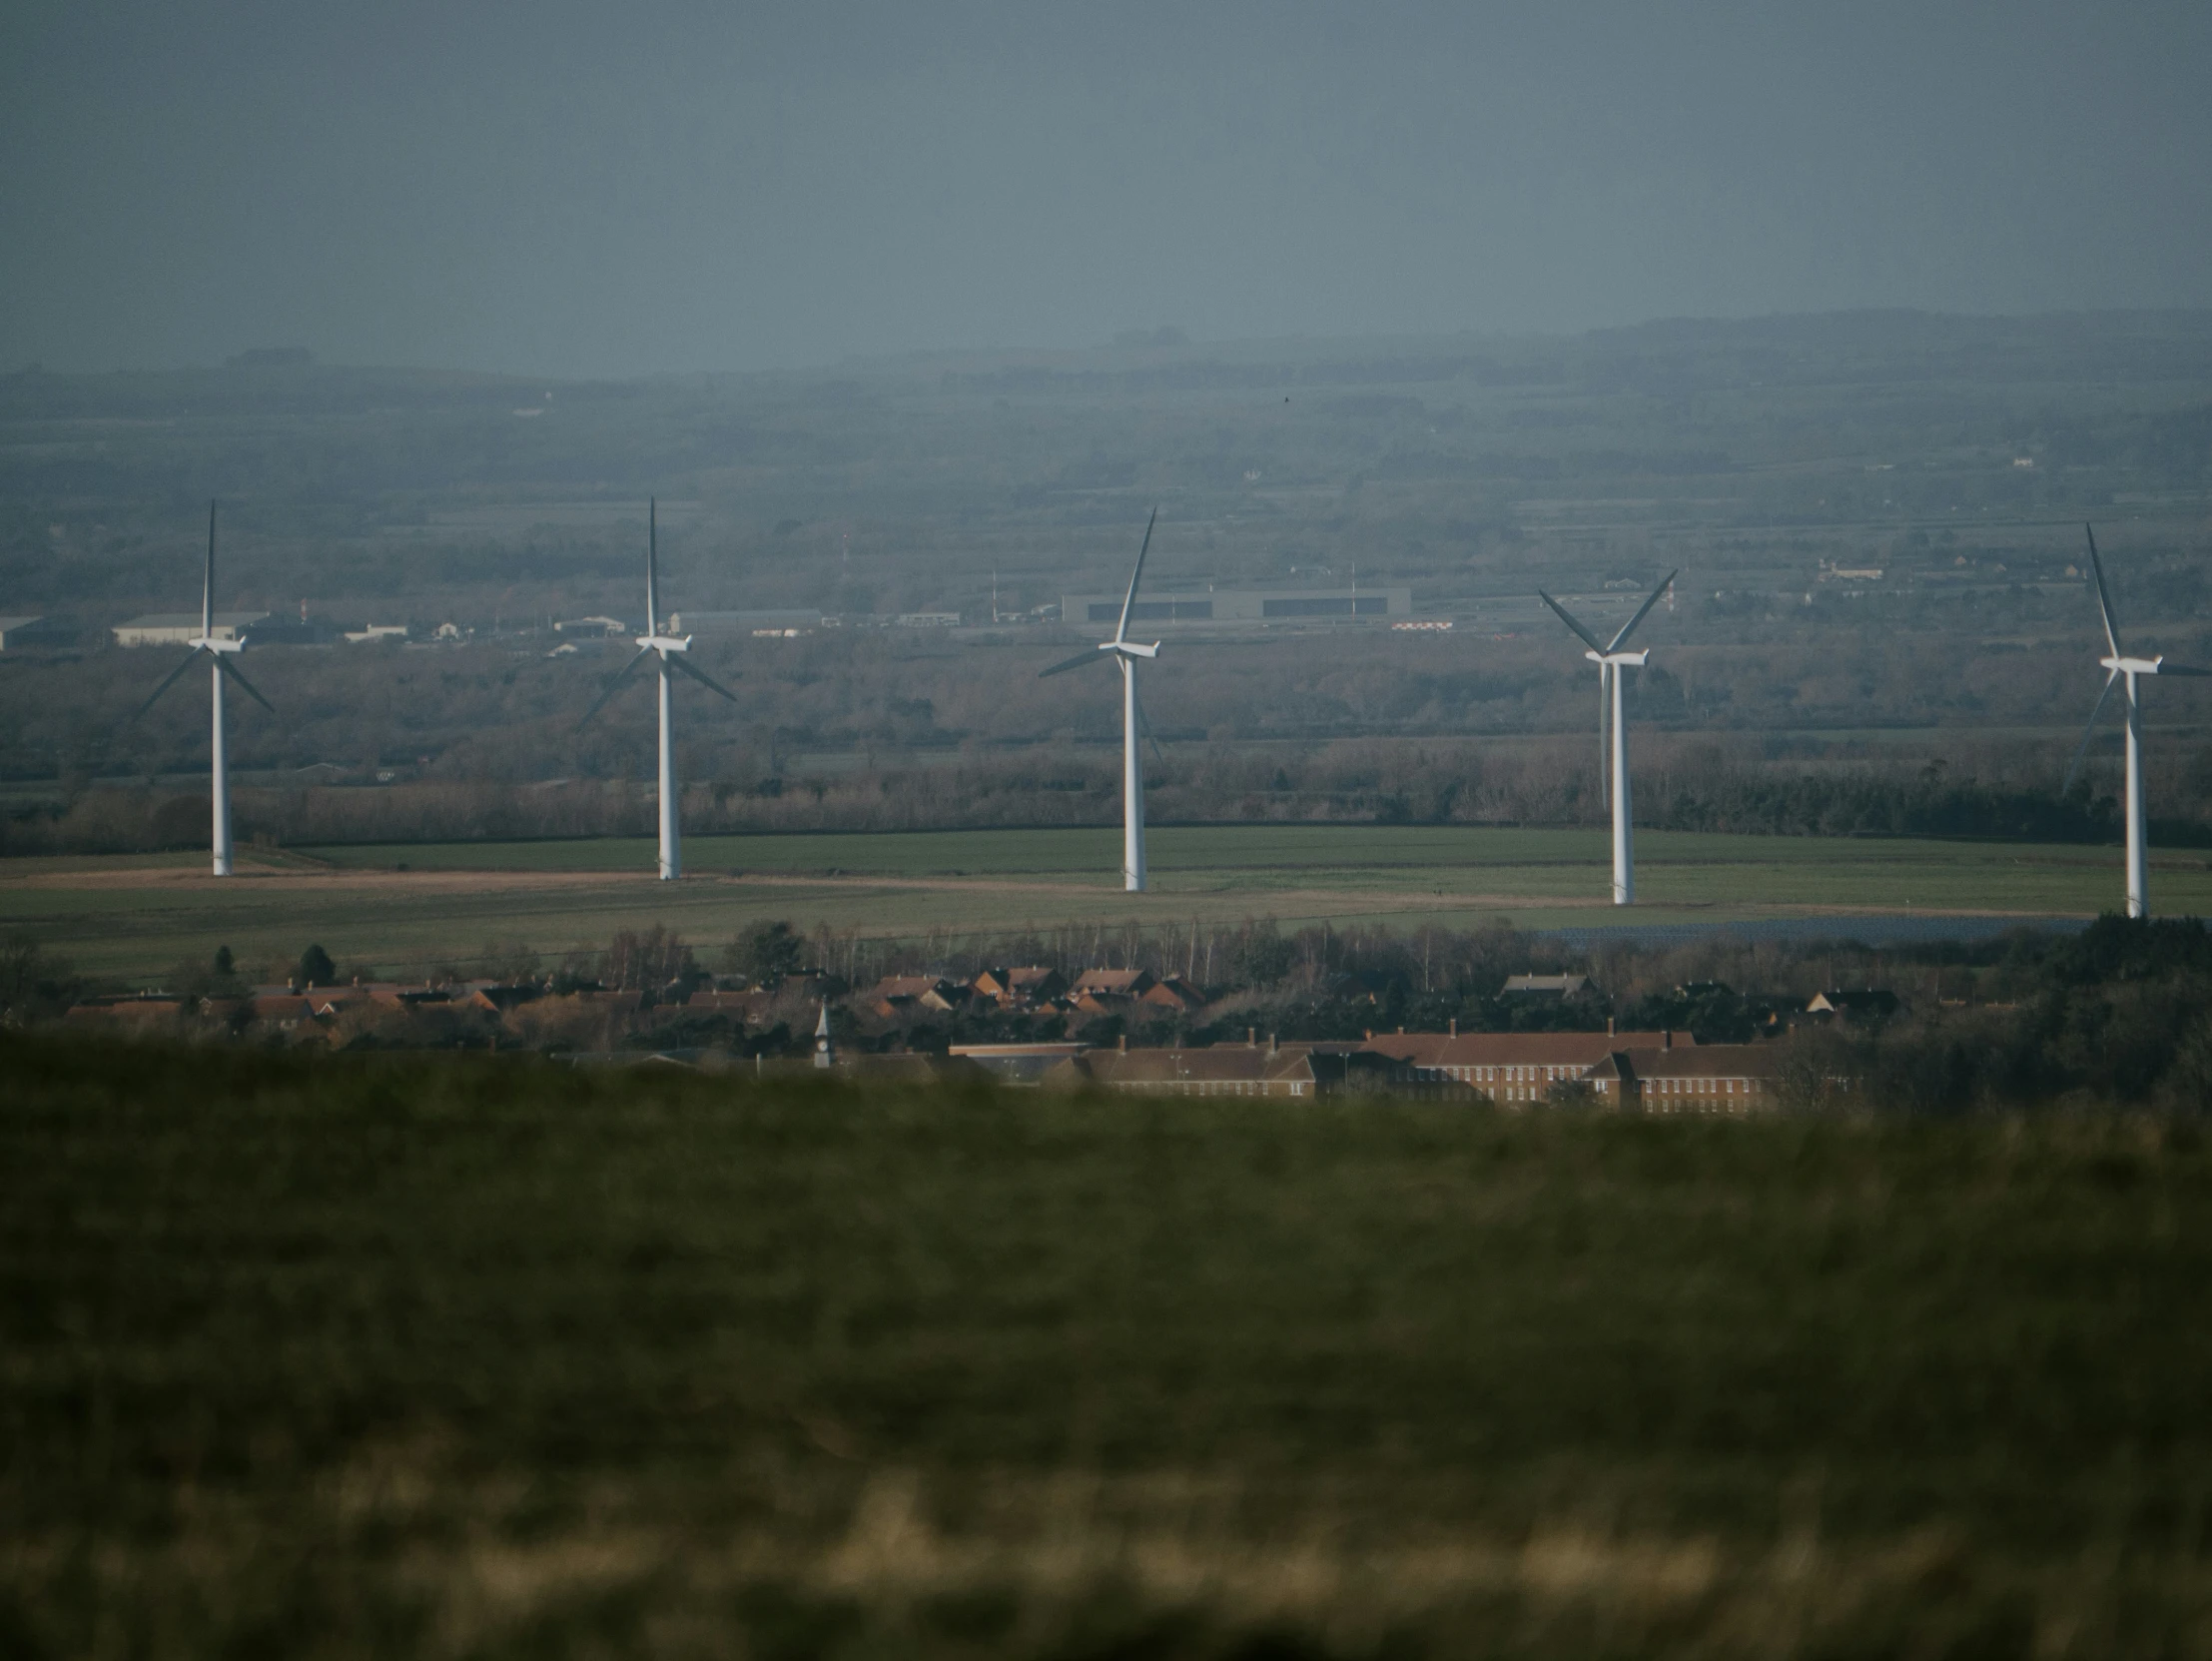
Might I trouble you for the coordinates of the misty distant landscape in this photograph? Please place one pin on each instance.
(1881, 622)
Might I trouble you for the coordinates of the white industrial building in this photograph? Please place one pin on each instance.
(743, 623)
(177, 628)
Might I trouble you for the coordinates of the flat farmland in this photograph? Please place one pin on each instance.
(404, 908)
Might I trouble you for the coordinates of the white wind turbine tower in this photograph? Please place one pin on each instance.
(1613, 730)
(1126, 652)
(2119, 666)
(219, 653)
(670, 650)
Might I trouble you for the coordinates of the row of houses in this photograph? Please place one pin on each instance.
(289, 1007)
(1660, 1072)
(1040, 990)
(1029, 991)
(1034, 990)
(1655, 1070)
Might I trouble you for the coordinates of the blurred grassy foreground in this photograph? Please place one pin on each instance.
(435, 1358)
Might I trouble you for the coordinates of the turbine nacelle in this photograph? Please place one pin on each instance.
(664, 643)
(1103, 652)
(1617, 659)
(2131, 666)
(220, 652)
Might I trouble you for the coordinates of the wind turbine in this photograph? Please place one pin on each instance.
(1126, 652)
(670, 649)
(2119, 666)
(1613, 730)
(219, 653)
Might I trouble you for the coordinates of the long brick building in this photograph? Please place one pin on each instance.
(1218, 1069)
(1705, 1078)
(1513, 1068)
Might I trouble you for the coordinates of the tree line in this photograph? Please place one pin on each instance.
(1367, 783)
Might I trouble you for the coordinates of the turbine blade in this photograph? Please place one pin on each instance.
(1121, 630)
(207, 586)
(168, 680)
(2104, 601)
(232, 670)
(1588, 638)
(1076, 662)
(679, 661)
(620, 676)
(652, 566)
(2089, 732)
(1642, 610)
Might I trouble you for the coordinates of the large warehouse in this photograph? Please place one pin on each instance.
(176, 628)
(1243, 605)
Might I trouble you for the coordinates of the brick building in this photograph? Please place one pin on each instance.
(1705, 1078)
(1222, 1069)
(1513, 1068)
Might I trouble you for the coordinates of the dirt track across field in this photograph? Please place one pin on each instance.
(169, 880)
(416, 884)
(173, 879)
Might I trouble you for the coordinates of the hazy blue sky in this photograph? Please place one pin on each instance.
(614, 188)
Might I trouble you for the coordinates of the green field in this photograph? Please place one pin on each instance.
(1672, 866)
(408, 908)
(434, 1358)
